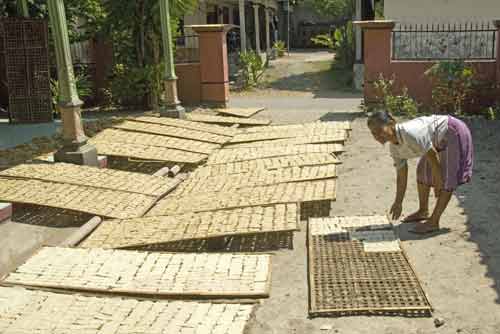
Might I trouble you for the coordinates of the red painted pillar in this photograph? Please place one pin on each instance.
(377, 42)
(213, 63)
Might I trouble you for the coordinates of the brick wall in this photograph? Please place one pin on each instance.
(377, 48)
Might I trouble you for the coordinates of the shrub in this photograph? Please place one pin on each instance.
(453, 85)
(83, 86)
(129, 86)
(280, 48)
(492, 113)
(342, 43)
(344, 46)
(253, 68)
(397, 104)
(324, 40)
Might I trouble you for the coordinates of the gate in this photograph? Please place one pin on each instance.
(24, 53)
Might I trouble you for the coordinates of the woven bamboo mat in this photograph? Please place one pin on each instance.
(93, 177)
(132, 233)
(101, 202)
(251, 153)
(264, 195)
(333, 137)
(145, 273)
(302, 127)
(148, 152)
(41, 312)
(346, 278)
(172, 131)
(240, 112)
(251, 166)
(138, 138)
(204, 118)
(319, 136)
(254, 178)
(186, 124)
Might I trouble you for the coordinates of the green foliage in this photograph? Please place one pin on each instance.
(453, 84)
(84, 17)
(344, 45)
(134, 29)
(492, 113)
(379, 10)
(253, 68)
(388, 98)
(341, 9)
(83, 84)
(280, 48)
(130, 85)
(324, 40)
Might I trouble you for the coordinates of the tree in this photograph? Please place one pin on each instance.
(342, 41)
(84, 17)
(341, 9)
(134, 27)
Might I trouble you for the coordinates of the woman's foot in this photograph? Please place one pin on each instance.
(424, 228)
(416, 217)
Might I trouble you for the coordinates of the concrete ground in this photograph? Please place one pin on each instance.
(459, 267)
(12, 135)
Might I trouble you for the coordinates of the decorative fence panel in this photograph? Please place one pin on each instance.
(24, 50)
(465, 41)
(187, 49)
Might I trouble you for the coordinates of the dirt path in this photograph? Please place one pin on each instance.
(459, 267)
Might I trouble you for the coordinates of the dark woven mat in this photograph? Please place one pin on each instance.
(346, 280)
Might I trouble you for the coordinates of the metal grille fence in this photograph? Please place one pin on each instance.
(24, 49)
(467, 41)
(187, 49)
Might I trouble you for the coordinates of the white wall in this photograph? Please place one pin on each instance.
(423, 11)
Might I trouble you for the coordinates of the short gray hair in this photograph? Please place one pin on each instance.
(380, 118)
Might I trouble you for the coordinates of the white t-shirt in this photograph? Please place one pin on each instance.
(417, 137)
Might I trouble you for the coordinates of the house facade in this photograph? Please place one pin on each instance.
(256, 21)
(441, 11)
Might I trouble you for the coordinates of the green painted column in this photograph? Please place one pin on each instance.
(68, 95)
(172, 107)
(167, 40)
(75, 149)
(22, 8)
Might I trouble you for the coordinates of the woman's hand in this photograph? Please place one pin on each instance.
(396, 210)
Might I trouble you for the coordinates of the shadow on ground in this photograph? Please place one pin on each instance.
(480, 199)
(48, 216)
(340, 116)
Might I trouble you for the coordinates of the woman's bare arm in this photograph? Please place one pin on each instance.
(401, 184)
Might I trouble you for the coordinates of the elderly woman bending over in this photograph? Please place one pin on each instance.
(444, 146)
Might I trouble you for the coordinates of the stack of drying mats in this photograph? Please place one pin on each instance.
(177, 255)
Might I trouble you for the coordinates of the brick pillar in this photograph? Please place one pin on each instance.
(213, 63)
(376, 53)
